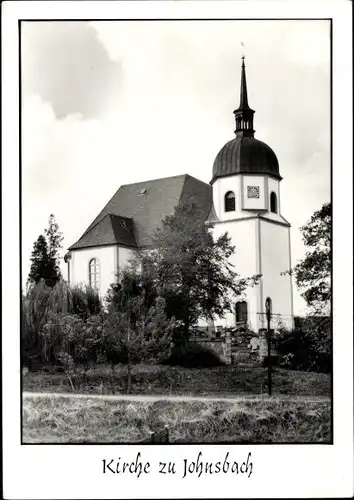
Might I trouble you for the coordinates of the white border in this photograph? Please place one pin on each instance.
(279, 471)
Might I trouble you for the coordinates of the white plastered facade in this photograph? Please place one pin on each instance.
(262, 247)
(111, 259)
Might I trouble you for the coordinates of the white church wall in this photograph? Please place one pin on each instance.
(244, 238)
(124, 256)
(253, 181)
(275, 259)
(220, 188)
(274, 186)
(79, 266)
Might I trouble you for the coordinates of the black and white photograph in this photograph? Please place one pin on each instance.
(176, 236)
(166, 260)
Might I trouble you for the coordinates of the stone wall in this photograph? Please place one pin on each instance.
(241, 347)
(221, 346)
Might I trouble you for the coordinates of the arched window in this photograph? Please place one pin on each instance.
(273, 203)
(94, 273)
(241, 311)
(230, 201)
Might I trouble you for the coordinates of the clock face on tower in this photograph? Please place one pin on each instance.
(252, 191)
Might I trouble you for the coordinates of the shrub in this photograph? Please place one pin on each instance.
(156, 330)
(193, 355)
(137, 333)
(70, 335)
(30, 340)
(46, 315)
(308, 346)
(114, 343)
(34, 312)
(85, 301)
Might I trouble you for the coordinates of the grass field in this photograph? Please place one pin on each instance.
(164, 380)
(256, 420)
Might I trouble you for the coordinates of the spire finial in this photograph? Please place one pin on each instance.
(244, 114)
(243, 51)
(243, 93)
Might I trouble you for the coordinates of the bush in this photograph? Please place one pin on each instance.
(193, 355)
(30, 340)
(85, 301)
(46, 315)
(308, 346)
(69, 335)
(147, 338)
(114, 339)
(157, 331)
(34, 311)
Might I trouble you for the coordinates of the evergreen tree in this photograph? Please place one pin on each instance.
(54, 239)
(42, 264)
(45, 259)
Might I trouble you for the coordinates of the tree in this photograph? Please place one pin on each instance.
(42, 265)
(54, 240)
(313, 273)
(191, 269)
(136, 327)
(45, 258)
(308, 347)
(40, 305)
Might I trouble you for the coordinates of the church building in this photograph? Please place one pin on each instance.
(242, 198)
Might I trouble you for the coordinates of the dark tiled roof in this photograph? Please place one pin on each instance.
(146, 204)
(109, 230)
(245, 155)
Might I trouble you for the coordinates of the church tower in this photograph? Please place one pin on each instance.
(247, 204)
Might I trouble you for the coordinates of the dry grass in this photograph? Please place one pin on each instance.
(150, 379)
(257, 420)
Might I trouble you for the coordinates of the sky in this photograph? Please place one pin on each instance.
(111, 103)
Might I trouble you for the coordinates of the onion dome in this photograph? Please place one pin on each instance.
(245, 154)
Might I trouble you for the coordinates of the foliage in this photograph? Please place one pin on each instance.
(137, 315)
(136, 326)
(43, 266)
(308, 346)
(85, 301)
(36, 305)
(193, 355)
(30, 340)
(191, 270)
(114, 336)
(45, 258)
(313, 273)
(49, 320)
(156, 330)
(133, 282)
(54, 239)
(73, 341)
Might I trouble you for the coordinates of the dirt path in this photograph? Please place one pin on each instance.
(144, 397)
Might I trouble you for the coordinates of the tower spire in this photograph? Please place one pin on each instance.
(243, 91)
(244, 114)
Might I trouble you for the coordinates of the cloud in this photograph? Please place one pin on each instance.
(66, 65)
